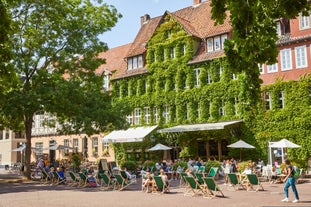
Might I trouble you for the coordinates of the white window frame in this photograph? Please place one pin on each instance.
(172, 52)
(140, 61)
(209, 80)
(301, 56)
(129, 119)
(272, 68)
(223, 39)
(197, 74)
(184, 49)
(268, 102)
(95, 144)
(210, 45)
(66, 144)
(261, 68)
(147, 115)
(278, 28)
(75, 144)
(166, 114)
(286, 59)
(137, 116)
(281, 98)
(129, 63)
(304, 22)
(106, 82)
(217, 44)
(135, 62)
(155, 115)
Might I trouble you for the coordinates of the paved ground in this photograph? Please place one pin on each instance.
(17, 193)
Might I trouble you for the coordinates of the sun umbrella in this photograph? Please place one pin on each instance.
(241, 144)
(283, 143)
(159, 147)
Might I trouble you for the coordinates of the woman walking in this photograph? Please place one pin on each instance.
(290, 181)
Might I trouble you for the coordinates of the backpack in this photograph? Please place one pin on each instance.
(296, 174)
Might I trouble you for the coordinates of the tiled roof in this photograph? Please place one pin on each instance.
(196, 20)
(114, 59)
(146, 31)
(200, 19)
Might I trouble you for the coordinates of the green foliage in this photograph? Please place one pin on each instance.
(76, 162)
(54, 40)
(149, 164)
(243, 165)
(212, 163)
(182, 164)
(130, 165)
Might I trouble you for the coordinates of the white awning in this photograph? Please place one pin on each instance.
(199, 127)
(130, 135)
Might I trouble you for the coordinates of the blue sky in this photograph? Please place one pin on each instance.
(127, 27)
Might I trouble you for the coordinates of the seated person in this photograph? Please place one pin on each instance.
(164, 177)
(247, 170)
(61, 173)
(274, 174)
(129, 175)
(148, 182)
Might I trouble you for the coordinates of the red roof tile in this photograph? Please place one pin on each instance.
(114, 59)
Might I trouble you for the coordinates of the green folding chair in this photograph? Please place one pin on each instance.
(235, 182)
(159, 185)
(212, 188)
(253, 181)
(193, 188)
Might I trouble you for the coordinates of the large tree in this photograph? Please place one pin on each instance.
(55, 45)
(254, 37)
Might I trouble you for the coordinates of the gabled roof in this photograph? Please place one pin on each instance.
(144, 34)
(114, 59)
(196, 20)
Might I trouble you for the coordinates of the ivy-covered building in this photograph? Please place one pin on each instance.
(176, 76)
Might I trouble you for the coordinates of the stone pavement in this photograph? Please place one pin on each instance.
(17, 193)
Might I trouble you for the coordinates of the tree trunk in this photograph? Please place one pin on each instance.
(28, 127)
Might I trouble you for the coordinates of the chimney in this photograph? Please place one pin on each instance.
(196, 2)
(144, 19)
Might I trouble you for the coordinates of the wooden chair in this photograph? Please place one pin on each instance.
(235, 182)
(159, 185)
(199, 177)
(253, 181)
(105, 180)
(212, 172)
(45, 178)
(57, 179)
(121, 182)
(83, 179)
(193, 188)
(212, 188)
(74, 179)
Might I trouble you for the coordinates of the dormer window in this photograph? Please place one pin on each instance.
(216, 43)
(305, 22)
(135, 62)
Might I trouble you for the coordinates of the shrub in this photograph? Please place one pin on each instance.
(148, 163)
(182, 164)
(212, 163)
(130, 165)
